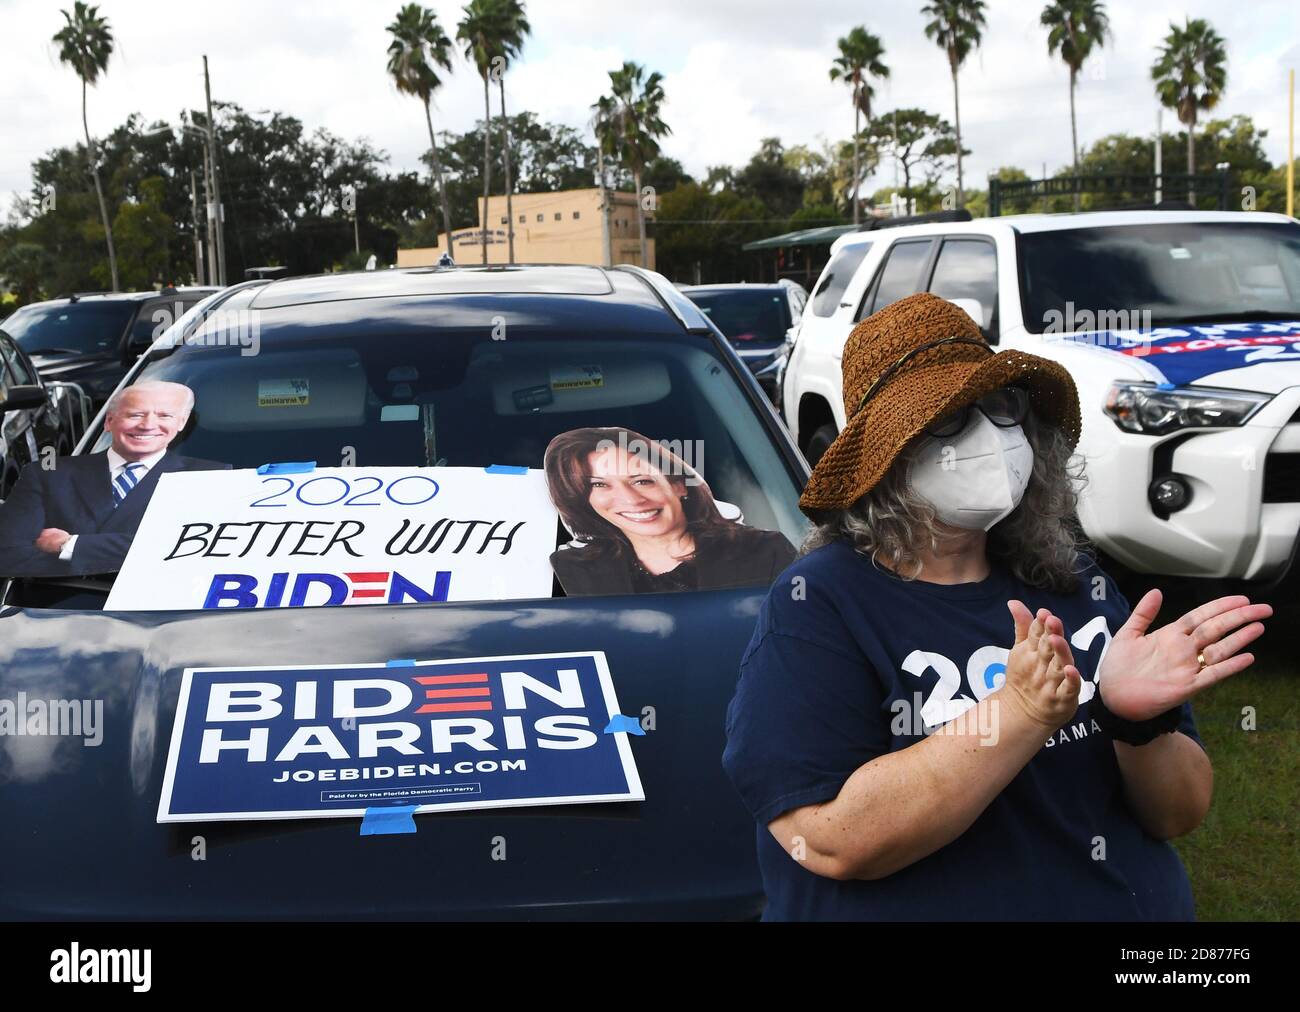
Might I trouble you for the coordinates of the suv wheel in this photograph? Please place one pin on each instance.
(819, 442)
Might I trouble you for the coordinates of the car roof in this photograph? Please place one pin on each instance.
(1110, 219)
(727, 286)
(1027, 223)
(122, 296)
(624, 295)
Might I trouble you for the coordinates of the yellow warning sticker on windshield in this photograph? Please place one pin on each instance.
(577, 377)
(288, 393)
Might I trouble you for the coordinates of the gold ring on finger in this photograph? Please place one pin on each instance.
(1201, 661)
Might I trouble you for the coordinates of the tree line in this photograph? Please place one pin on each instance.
(122, 211)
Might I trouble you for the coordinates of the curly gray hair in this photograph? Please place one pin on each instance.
(1039, 543)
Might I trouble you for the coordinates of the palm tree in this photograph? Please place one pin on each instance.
(957, 26)
(418, 48)
(513, 27)
(85, 43)
(859, 59)
(604, 124)
(1074, 27)
(638, 99)
(1191, 73)
(479, 32)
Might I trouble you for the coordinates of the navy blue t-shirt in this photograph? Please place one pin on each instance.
(849, 662)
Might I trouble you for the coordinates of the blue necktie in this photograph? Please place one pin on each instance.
(124, 482)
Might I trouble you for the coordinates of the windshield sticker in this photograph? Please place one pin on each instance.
(338, 536)
(1180, 253)
(336, 740)
(288, 393)
(1182, 355)
(399, 413)
(643, 519)
(577, 377)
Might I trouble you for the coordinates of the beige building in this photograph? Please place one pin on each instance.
(550, 228)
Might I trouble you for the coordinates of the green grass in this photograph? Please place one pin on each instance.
(1244, 860)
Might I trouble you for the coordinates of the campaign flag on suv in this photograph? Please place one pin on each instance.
(326, 741)
(1182, 355)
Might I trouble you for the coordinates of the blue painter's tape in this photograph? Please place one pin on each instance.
(288, 467)
(400, 664)
(385, 821)
(505, 469)
(622, 722)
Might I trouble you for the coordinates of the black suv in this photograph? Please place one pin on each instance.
(92, 340)
(33, 416)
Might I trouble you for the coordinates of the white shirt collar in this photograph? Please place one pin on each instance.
(116, 461)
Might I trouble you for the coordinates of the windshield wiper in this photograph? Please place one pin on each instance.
(55, 351)
(1227, 316)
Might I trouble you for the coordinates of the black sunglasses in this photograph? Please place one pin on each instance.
(1005, 407)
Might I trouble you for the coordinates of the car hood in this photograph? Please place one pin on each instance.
(82, 840)
(1263, 356)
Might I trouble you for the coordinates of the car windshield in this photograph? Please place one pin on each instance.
(459, 398)
(1177, 273)
(758, 316)
(72, 328)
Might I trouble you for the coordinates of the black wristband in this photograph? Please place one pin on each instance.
(1134, 732)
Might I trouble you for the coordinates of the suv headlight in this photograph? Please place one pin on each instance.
(1154, 411)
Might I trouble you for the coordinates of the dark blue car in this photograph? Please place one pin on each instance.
(463, 347)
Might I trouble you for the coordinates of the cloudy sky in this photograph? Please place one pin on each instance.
(735, 70)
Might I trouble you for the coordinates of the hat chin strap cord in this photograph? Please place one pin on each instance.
(885, 376)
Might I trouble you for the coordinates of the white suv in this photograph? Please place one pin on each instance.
(1181, 329)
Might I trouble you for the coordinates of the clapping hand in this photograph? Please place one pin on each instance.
(1144, 674)
(1041, 677)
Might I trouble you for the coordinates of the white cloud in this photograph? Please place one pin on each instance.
(735, 71)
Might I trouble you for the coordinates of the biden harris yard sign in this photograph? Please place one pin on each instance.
(340, 536)
(326, 741)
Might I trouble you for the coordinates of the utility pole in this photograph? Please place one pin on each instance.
(605, 260)
(1159, 139)
(211, 207)
(356, 218)
(1290, 149)
(216, 183)
(198, 240)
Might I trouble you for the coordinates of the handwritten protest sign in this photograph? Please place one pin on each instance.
(339, 536)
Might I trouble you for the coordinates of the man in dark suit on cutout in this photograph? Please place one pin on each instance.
(78, 518)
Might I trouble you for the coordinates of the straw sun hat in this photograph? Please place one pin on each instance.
(906, 367)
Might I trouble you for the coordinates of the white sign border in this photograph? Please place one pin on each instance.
(635, 790)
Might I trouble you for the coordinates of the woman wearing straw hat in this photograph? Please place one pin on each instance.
(947, 711)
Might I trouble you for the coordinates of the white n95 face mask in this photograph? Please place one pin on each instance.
(975, 478)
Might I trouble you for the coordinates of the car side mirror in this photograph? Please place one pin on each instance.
(973, 309)
(137, 346)
(21, 397)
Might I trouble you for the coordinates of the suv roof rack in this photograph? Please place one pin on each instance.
(930, 217)
(268, 273)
